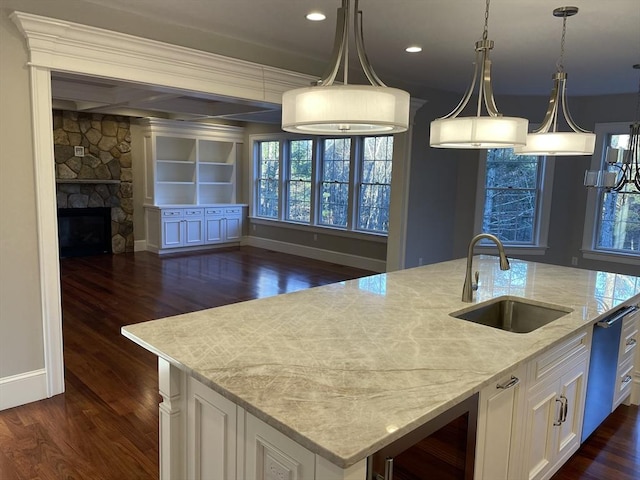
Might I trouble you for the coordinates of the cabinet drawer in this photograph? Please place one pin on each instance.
(628, 344)
(171, 213)
(214, 211)
(234, 210)
(624, 380)
(193, 212)
(554, 361)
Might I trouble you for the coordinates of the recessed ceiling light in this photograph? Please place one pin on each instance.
(316, 16)
(413, 49)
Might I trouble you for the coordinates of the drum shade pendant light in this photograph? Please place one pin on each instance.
(546, 140)
(489, 131)
(328, 109)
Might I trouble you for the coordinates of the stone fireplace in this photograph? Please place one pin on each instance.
(101, 175)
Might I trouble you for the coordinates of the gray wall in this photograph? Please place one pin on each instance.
(443, 186)
(21, 340)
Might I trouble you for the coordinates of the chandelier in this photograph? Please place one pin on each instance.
(622, 173)
(329, 109)
(547, 140)
(489, 131)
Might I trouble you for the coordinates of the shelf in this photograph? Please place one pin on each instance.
(215, 183)
(171, 182)
(178, 162)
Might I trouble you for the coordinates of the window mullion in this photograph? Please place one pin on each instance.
(354, 165)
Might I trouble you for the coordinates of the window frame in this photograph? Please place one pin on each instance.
(595, 197)
(539, 245)
(314, 224)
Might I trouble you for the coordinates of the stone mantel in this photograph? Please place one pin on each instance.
(90, 181)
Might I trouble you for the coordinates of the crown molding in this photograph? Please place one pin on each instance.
(71, 47)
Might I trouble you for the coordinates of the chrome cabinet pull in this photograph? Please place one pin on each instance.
(631, 342)
(388, 469)
(626, 379)
(558, 422)
(512, 382)
(564, 410)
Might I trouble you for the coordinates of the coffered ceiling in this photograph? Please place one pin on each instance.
(602, 44)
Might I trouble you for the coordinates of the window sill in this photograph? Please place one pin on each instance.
(512, 249)
(605, 256)
(321, 229)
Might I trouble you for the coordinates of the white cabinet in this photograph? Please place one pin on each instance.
(189, 163)
(182, 227)
(211, 434)
(626, 356)
(223, 224)
(500, 408)
(530, 420)
(555, 407)
(202, 227)
(270, 455)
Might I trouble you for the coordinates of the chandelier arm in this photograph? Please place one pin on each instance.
(465, 99)
(565, 108)
(489, 100)
(551, 116)
(339, 46)
(362, 53)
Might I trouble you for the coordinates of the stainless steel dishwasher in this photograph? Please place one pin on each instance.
(603, 366)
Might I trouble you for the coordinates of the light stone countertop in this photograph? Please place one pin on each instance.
(348, 368)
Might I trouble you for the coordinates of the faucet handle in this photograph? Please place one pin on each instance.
(474, 286)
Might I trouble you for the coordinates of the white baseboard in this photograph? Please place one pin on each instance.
(317, 254)
(635, 390)
(139, 245)
(23, 388)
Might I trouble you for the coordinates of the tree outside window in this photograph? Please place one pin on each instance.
(512, 188)
(268, 179)
(299, 181)
(618, 227)
(375, 184)
(334, 194)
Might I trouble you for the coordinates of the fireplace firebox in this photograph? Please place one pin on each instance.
(84, 231)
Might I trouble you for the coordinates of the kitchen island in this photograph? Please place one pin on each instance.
(346, 369)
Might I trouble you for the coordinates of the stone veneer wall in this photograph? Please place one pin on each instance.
(103, 177)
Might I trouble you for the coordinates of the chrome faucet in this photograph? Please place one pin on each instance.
(469, 287)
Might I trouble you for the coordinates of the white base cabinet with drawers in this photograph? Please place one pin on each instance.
(199, 227)
(530, 421)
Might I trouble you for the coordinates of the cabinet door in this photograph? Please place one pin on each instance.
(542, 420)
(572, 390)
(499, 406)
(214, 231)
(194, 231)
(172, 235)
(271, 455)
(211, 434)
(234, 227)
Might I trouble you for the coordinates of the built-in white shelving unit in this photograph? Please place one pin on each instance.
(190, 165)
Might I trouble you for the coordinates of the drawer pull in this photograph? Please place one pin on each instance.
(626, 379)
(631, 342)
(512, 382)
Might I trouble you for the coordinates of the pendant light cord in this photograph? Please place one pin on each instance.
(560, 62)
(485, 33)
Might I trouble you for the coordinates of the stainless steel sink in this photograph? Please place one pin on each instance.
(512, 314)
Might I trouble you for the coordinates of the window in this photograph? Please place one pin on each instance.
(342, 183)
(375, 184)
(334, 196)
(512, 201)
(612, 225)
(299, 181)
(268, 179)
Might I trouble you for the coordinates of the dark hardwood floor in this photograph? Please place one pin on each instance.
(105, 426)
